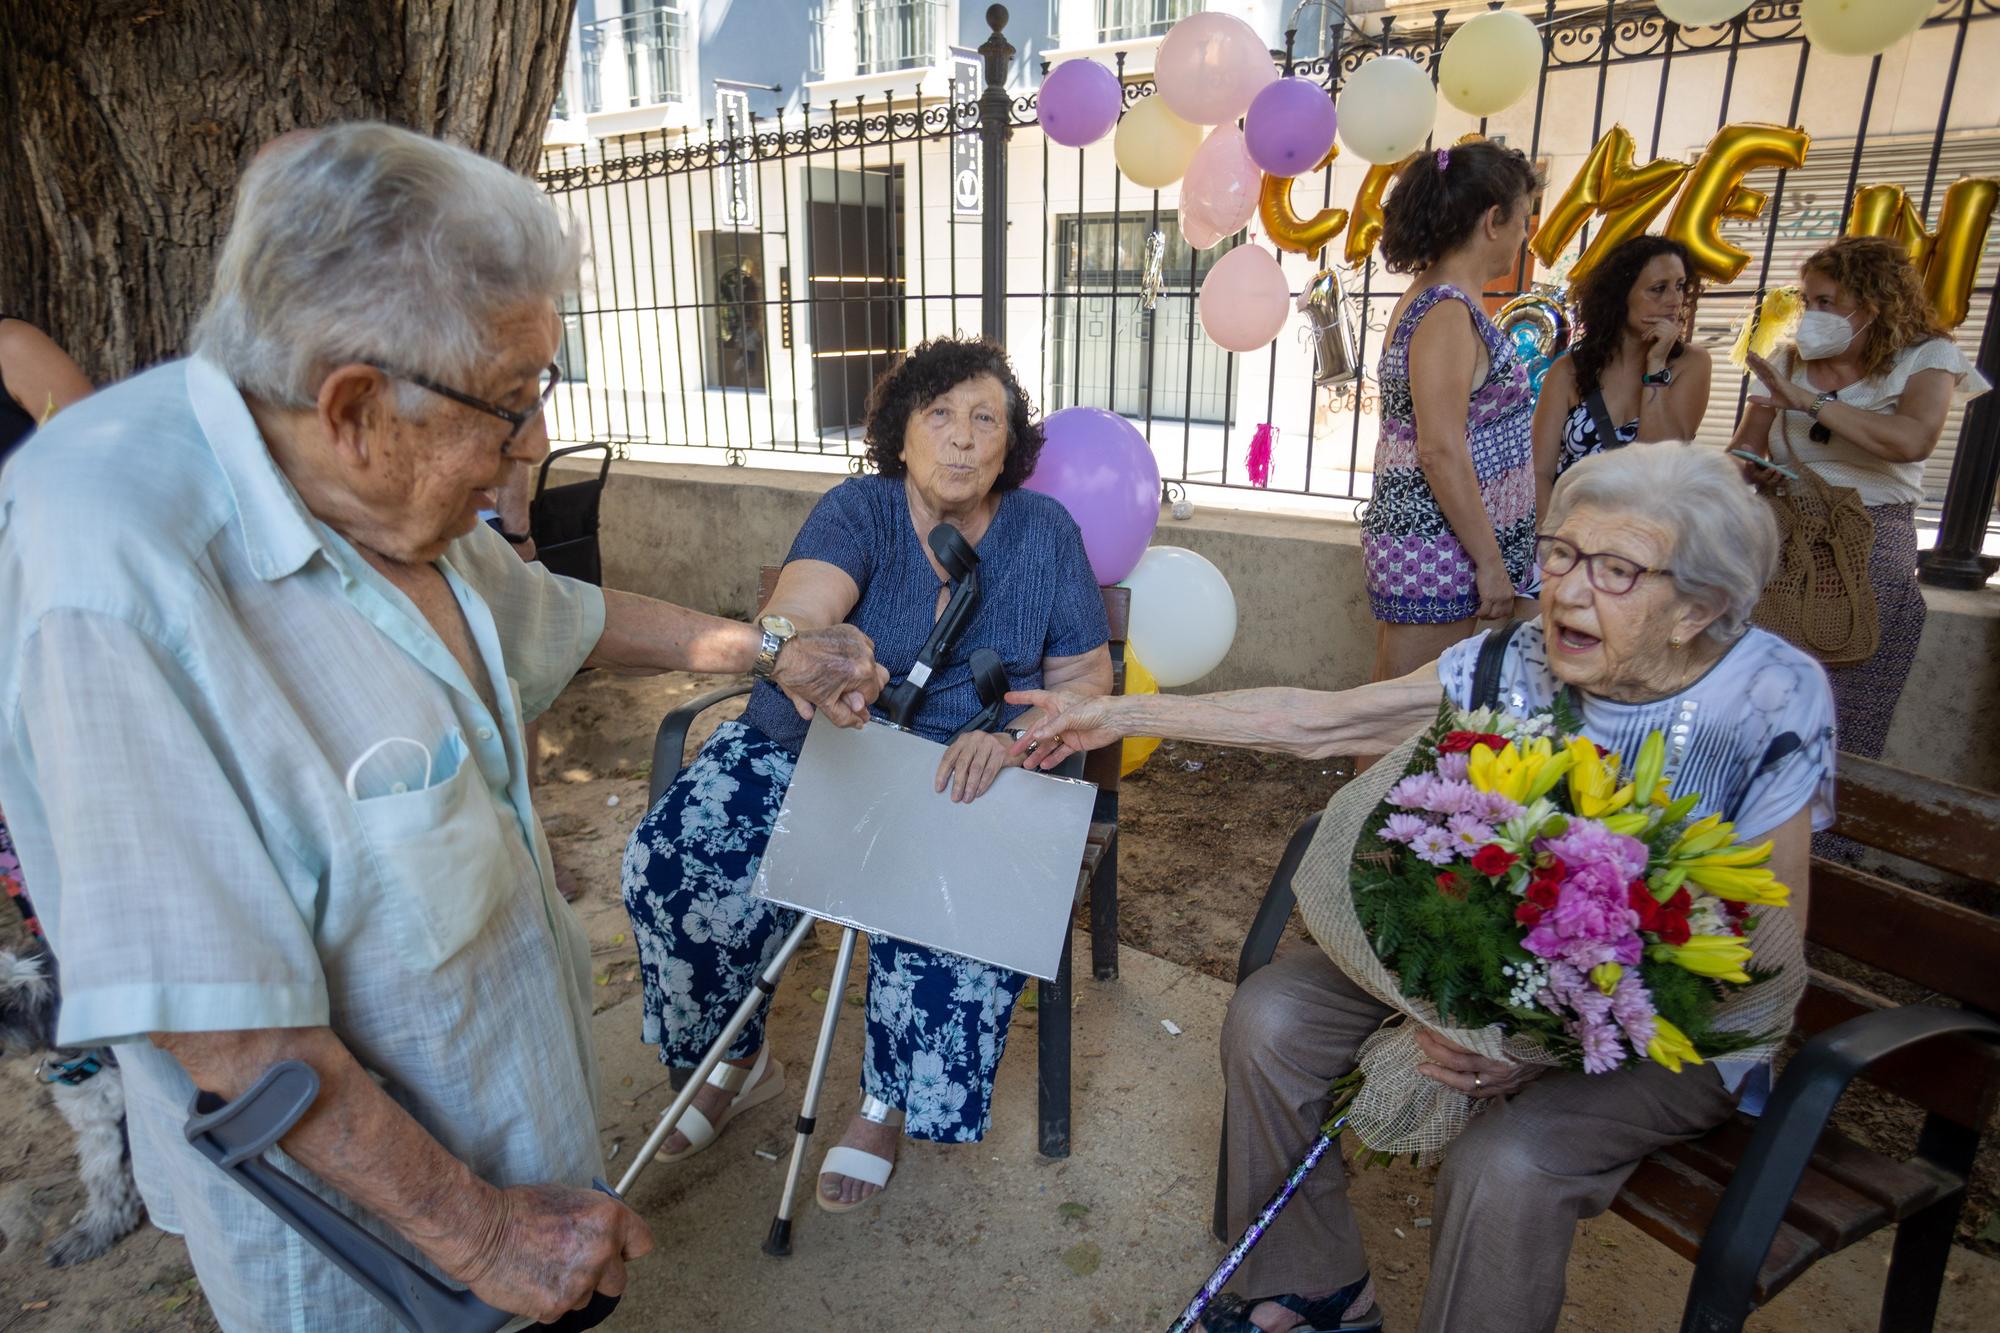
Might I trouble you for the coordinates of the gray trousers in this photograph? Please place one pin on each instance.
(1512, 1186)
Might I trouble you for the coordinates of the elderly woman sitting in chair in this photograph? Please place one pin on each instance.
(1652, 559)
(951, 437)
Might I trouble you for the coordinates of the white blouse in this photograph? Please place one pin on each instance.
(1840, 461)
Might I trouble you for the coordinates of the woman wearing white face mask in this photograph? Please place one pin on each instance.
(1861, 399)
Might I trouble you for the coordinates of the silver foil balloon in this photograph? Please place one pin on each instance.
(1153, 280)
(1326, 329)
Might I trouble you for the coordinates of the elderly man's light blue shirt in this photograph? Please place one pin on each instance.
(251, 788)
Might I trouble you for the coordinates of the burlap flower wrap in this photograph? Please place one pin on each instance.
(1399, 1110)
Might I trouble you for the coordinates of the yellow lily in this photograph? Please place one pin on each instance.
(1718, 956)
(1731, 856)
(1670, 1046)
(1646, 770)
(1740, 885)
(1593, 781)
(1605, 976)
(1522, 775)
(1704, 835)
(1631, 823)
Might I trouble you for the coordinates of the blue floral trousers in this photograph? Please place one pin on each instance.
(936, 1022)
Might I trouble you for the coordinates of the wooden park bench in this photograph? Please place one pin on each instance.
(1760, 1199)
(1097, 876)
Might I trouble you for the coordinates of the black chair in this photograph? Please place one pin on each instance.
(563, 519)
(1097, 875)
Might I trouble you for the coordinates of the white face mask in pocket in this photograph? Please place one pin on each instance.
(436, 840)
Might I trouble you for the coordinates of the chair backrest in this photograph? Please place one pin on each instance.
(1101, 766)
(1936, 946)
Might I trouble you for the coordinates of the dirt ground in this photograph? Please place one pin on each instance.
(1201, 830)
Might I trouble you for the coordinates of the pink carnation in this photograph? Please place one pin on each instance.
(1403, 828)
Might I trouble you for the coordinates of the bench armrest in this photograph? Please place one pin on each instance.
(1746, 1221)
(670, 741)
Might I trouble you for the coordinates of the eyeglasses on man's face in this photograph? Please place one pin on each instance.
(517, 418)
(1608, 572)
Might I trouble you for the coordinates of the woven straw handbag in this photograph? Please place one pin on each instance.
(1821, 598)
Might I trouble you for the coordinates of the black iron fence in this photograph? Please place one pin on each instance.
(743, 291)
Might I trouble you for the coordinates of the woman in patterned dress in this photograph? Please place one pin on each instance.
(1449, 537)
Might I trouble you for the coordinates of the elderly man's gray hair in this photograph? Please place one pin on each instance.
(366, 242)
(1725, 540)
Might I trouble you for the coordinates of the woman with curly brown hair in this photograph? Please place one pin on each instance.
(1448, 539)
(952, 438)
(1632, 375)
(1861, 401)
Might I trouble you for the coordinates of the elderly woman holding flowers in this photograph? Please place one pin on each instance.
(1652, 559)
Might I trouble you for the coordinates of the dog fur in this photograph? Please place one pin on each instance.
(94, 1109)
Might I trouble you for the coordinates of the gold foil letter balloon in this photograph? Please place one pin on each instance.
(1716, 191)
(1948, 258)
(1364, 229)
(1289, 231)
(1628, 197)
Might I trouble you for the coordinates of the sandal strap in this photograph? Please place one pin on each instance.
(856, 1165)
(734, 1078)
(696, 1128)
(875, 1110)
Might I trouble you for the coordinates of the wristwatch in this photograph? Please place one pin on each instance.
(1825, 397)
(778, 631)
(1661, 377)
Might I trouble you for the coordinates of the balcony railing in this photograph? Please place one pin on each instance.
(897, 34)
(1130, 20)
(632, 60)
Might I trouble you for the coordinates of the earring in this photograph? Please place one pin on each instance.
(1674, 641)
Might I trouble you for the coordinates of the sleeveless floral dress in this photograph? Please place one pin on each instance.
(1418, 572)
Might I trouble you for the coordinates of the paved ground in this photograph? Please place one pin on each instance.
(992, 1235)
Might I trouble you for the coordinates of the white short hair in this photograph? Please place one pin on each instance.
(1725, 540)
(365, 242)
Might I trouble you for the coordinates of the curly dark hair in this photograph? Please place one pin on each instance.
(1432, 209)
(1879, 276)
(936, 367)
(1601, 296)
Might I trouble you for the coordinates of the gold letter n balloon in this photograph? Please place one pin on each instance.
(1948, 257)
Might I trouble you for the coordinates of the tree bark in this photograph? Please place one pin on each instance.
(127, 123)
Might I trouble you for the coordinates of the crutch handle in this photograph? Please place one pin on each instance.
(236, 1134)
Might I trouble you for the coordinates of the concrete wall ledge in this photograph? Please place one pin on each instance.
(698, 534)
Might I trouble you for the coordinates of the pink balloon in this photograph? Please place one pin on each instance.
(1101, 468)
(1198, 231)
(1210, 66)
(1244, 299)
(1219, 192)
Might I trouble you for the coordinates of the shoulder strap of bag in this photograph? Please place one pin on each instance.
(1486, 671)
(1600, 417)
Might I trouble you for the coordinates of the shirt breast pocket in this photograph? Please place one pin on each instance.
(438, 847)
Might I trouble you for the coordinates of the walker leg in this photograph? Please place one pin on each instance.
(779, 1242)
(760, 990)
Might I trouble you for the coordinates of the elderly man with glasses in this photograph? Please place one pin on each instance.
(262, 751)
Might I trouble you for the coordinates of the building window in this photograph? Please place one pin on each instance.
(571, 358)
(897, 34)
(634, 58)
(1130, 20)
(734, 295)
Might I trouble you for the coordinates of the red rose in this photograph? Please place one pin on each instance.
(1543, 892)
(1527, 914)
(1680, 902)
(1461, 742)
(1643, 903)
(1449, 886)
(1673, 928)
(1493, 860)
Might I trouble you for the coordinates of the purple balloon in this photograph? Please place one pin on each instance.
(1079, 103)
(1289, 127)
(1100, 467)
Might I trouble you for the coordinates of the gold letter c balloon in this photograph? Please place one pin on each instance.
(1289, 231)
(1715, 191)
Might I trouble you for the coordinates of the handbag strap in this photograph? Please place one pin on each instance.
(1600, 419)
(1492, 657)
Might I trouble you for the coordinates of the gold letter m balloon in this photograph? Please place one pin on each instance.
(1948, 257)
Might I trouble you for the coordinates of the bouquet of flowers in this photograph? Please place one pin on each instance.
(1525, 894)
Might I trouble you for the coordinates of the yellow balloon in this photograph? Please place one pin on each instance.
(1628, 198)
(1949, 257)
(1289, 231)
(1862, 27)
(1153, 146)
(1715, 191)
(1490, 63)
(1138, 749)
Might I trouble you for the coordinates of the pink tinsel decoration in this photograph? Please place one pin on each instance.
(1258, 464)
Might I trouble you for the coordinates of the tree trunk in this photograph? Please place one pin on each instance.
(127, 123)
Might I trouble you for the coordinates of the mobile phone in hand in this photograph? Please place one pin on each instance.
(1760, 461)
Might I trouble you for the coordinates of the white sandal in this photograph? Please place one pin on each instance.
(753, 1086)
(856, 1164)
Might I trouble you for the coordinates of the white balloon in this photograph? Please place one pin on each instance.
(1490, 63)
(1183, 615)
(1702, 13)
(1386, 109)
(1862, 27)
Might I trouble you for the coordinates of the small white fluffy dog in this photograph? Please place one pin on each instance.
(93, 1104)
